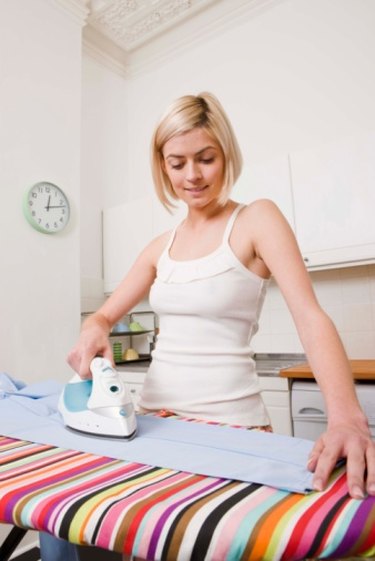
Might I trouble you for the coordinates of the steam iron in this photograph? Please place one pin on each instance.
(101, 406)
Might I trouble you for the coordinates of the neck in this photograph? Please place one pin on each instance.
(197, 216)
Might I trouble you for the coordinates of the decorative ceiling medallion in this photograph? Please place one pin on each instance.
(129, 36)
(131, 23)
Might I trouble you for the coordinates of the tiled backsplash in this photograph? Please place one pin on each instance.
(347, 295)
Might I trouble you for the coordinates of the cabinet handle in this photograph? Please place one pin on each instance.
(306, 259)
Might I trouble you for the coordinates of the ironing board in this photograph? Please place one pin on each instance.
(167, 515)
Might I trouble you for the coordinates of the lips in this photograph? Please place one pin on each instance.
(196, 189)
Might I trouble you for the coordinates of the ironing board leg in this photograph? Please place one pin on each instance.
(11, 542)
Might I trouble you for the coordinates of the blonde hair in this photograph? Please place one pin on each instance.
(183, 115)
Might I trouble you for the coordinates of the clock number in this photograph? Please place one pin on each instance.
(43, 203)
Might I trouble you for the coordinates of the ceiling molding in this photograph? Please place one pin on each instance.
(213, 17)
(78, 10)
(132, 23)
(104, 51)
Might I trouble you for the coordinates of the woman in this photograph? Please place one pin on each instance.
(207, 280)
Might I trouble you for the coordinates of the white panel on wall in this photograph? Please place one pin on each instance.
(271, 180)
(334, 197)
(162, 220)
(127, 229)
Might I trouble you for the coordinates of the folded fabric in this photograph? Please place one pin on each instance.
(9, 385)
(212, 450)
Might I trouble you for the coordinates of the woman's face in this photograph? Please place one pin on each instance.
(194, 163)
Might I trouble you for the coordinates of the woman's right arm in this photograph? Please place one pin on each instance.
(93, 340)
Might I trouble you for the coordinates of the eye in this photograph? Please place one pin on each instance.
(176, 166)
(207, 160)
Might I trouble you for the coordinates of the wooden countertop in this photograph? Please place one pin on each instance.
(363, 369)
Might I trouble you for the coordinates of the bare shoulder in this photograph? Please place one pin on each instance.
(262, 214)
(261, 207)
(154, 249)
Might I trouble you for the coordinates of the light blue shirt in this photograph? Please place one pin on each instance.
(30, 413)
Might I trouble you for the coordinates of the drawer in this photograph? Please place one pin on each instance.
(276, 399)
(274, 383)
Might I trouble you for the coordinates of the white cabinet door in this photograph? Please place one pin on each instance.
(127, 229)
(276, 396)
(162, 220)
(334, 197)
(267, 180)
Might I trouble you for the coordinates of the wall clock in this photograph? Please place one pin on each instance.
(46, 207)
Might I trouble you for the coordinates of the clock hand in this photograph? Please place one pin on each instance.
(57, 206)
(48, 207)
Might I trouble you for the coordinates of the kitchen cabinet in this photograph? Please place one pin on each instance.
(309, 418)
(267, 180)
(127, 229)
(276, 396)
(327, 195)
(333, 190)
(162, 220)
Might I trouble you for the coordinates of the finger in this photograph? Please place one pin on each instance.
(370, 459)
(324, 467)
(314, 454)
(355, 469)
(84, 367)
(109, 355)
(74, 361)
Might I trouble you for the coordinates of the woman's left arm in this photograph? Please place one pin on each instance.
(347, 435)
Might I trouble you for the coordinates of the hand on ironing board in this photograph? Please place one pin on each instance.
(353, 442)
(92, 342)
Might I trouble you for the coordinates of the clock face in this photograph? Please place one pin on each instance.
(46, 207)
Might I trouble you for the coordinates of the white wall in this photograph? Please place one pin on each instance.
(40, 85)
(104, 169)
(291, 77)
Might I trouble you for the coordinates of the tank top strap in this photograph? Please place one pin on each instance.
(230, 222)
(170, 240)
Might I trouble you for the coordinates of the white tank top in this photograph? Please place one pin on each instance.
(208, 311)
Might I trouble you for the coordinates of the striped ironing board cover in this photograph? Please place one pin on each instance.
(165, 515)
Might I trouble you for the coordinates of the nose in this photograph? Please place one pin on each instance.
(193, 172)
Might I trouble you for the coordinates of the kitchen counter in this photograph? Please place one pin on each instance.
(363, 369)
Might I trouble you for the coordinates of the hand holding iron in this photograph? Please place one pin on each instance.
(92, 342)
